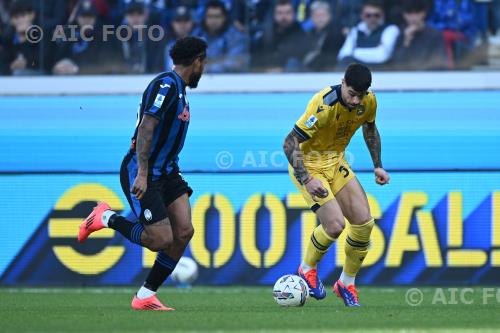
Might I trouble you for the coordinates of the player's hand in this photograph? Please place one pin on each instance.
(140, 186)
(316, 189)
(381, 176)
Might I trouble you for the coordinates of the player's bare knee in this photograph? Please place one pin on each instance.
(147, 240)
(334, 227)
(363, 218)
(163, 241)
(185, 235)
(157, 242)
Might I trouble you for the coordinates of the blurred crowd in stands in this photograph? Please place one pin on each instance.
(115, 36)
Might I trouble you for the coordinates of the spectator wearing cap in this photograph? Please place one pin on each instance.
(139, 51)
(227, 47)
(281, 47)
(419, 47)
(182, 25)
(325, 38)
(23, 53)
(372, 41)
(86, 53)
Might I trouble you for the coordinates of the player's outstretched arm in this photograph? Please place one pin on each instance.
(372, 139)
(144, 138)
(291, 147)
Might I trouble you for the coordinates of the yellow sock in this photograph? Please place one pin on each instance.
(317, 247)
(356, 246)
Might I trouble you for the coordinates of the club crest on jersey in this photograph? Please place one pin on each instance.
(148, 215)
(361, 110)
(185, 115)
(311, 121)
(159, 100)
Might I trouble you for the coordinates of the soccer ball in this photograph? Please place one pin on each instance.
(186, 272)
(290, 290)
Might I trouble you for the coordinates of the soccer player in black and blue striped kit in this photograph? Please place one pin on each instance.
(150, 177)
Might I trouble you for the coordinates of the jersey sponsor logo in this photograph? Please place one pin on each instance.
(185, 115)
(311, 121)
(159, 100)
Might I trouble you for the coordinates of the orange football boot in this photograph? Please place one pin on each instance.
(93, 222)
(150, 303)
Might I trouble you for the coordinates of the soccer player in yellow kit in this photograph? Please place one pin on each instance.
(315, 149)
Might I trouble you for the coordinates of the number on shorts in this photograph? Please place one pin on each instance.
(344, 169)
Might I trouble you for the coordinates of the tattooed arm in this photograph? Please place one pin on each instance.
(372, 139)
(144, 138)
(291, 147)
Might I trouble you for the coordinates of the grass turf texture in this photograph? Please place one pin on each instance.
(234, 309)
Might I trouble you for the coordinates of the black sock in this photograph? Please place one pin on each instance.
(131, 231)
(162, 268)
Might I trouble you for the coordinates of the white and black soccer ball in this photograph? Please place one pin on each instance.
(186, 272)
(290, 290)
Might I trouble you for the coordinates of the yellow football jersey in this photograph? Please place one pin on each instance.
(328, 126)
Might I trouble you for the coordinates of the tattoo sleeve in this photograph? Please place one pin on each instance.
(372, 139)
(291, 147)
(144, 138)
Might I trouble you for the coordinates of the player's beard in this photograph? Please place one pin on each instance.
(194, 79)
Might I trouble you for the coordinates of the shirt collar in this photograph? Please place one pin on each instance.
(184, 84)
(338, 90)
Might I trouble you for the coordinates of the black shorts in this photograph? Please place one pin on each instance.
(159, 194)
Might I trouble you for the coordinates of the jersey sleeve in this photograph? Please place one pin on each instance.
(161, 97)
(312, 120)
(372, 112)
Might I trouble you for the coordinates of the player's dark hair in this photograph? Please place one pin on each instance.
(20, 7)
(358, 77)
(415, 6)
(374, 3)
(187, 49)
(216, 4)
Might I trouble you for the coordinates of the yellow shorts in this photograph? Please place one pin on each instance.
(333, 179)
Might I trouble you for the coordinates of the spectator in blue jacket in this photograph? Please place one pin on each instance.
(227, 47)
(457, 16)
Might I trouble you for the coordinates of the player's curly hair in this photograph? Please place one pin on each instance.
(358, 77)
(187, 49)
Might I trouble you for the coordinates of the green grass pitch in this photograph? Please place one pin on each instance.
(237, 309)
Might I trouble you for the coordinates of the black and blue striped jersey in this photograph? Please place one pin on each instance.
(165, 99)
